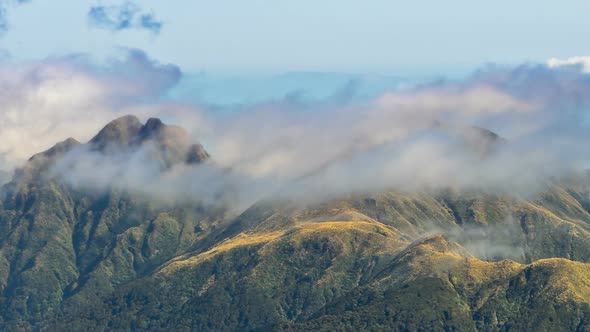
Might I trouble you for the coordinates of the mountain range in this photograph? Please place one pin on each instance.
(73, 258)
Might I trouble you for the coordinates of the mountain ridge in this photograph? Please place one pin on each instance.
(71, 259)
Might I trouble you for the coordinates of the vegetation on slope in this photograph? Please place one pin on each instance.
(77, 260)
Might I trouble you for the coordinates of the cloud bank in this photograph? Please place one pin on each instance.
(433, 136)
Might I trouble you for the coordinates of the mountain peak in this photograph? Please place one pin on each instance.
(168, 144)
(153, 124)
(58, 149)
(117, 133)
(154, 128)
(41, 161)
(172, 144)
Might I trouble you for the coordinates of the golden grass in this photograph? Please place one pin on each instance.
(336, 215)
(229, 244)
(339, 226)
(297, 233)
(568, 280)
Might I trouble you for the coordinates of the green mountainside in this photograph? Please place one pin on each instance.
(75, 259)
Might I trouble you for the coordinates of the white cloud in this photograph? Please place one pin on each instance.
(583, 61)
(409, 140)
(45, 102)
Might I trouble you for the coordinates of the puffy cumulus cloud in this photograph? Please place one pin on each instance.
(47, 101)
(581, 61)
(123, 17)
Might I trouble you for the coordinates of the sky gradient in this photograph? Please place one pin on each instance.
(379, 36)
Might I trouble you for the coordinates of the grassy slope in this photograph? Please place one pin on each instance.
(361, 262)
(57, 246)
(350, 275)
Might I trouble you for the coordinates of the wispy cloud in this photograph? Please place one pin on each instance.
(421, 138)
(4, 6)
(408, 140)
(126, 16)
(123, 17)
(582, 61)
(149, 22)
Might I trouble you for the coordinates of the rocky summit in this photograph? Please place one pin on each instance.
(172, 142)
(446, 260)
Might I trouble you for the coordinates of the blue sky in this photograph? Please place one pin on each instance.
(377, 36)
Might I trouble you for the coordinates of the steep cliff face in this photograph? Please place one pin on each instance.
(74, 259)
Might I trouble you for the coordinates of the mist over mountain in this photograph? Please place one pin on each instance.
(447, 205)
(141, 228)
(4, 177)
(294, 166)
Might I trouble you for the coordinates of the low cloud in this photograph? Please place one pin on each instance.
(47, 101)
(502, 130)
(416, 139)
(123, 17)
(581, 61)
(503, 239)
(435, 135)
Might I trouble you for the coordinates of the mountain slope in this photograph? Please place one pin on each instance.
(332, 266)
(350, 275)
(72, 258)
(59, 244)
